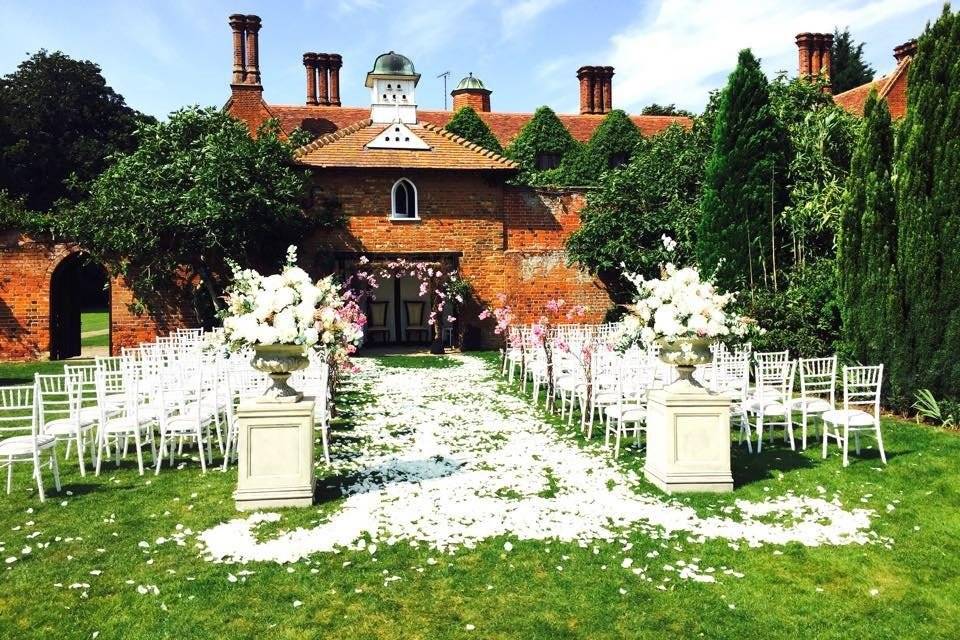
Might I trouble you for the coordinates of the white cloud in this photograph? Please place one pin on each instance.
(517, 16)
(677, 55)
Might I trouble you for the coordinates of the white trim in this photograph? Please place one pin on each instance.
(393, 201)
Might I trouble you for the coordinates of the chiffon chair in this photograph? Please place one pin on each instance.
(818, 381)
(58, 414)
(119, 423)
(628, 415)
(769, 405)
(860, 413)
(18, 415)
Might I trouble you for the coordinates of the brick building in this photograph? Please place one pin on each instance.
(410, 189)
(407, 188)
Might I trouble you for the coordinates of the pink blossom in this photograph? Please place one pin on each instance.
(484, 314)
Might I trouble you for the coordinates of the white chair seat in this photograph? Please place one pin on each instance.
(181, 424)
(766, 406)
(626, 412)
(19, 446)
(63, 427)
(812, 405)
(606, 397)
(89, 415)
(853, 417)
(125, 424)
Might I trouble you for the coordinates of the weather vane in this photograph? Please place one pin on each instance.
(444, 75)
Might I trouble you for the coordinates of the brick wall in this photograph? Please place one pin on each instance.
(510, 239)
(26, 268)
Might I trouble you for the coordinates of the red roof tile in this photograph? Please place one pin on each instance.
(320, 120)
(347, 147)
(892, 87)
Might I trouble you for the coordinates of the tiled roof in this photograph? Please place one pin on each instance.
(892, 87)
(320, 120)
(346, 147)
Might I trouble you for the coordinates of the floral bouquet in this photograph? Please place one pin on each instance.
(284, 315)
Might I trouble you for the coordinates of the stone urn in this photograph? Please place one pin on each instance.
(685, 354)
(279, 361)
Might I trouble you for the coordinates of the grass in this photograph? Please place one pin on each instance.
(97, 524)
(95, 321)
(417, 362)
(22, 372)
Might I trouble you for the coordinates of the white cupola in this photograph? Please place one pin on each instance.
(392, 83)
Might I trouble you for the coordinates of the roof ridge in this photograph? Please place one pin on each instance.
(892, 78)
(472, 146)
(332, 137)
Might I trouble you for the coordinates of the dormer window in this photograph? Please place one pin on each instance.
(548, 161)
(403, 199)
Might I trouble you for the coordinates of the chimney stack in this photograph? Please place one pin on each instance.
(246, 49)
(237, 24)
(323, 78)
(253, 50)
(335, 63)
(310, 65)
(596, 89)
(905, 50)
(814, 50)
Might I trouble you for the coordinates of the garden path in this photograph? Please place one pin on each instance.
(448, 457)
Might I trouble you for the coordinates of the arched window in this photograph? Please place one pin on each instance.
(404, 200)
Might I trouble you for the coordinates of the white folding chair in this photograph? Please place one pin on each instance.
(769, 403)
(861, 410)
(818, 381)
(58, 414)
(603, 390)
(186, 413)
(243, 383)
(18, 414)
(119, 423)
(628, 416)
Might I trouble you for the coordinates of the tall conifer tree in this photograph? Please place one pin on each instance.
(743, 185)
(848, 69)
(867, 239)
(467, 124)
(928, 193)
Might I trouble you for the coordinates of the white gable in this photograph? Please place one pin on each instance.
(398, 136)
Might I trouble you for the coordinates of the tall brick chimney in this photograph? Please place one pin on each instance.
(596, 89)
(246, 50)
(907, 49)
(323, 78)
(814, 50)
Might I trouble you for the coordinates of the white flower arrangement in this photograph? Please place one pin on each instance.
(679, 306)
(288, 308)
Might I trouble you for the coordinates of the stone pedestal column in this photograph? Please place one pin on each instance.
(688, 439)
(275, 452)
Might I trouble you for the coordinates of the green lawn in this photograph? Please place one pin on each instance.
(22, 372)
(94, 544)
(95, 321)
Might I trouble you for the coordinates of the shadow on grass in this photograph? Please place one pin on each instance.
(392, 471)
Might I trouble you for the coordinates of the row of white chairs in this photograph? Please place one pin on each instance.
(167, 394)
(577, 366)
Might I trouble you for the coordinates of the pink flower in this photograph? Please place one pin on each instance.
(484, 314)
(451, 319)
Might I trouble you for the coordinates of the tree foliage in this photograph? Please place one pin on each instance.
(848, 69)
(928, 218)
(543, 134)
(59, 124)
(467, 124)
(866, 246)
(664, 110)
(197, 190)
(743, 188)
(657, 193)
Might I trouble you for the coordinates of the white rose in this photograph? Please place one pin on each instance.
(311, 336)
(272, 283)
(286, 326)
(266, 334)
(283, 298)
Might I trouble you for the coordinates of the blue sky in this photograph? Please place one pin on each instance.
(162, 55)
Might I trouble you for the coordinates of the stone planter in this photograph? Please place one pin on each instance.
(279, 361)
(688, 427)
(685, 354)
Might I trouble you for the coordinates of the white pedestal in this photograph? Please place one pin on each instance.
(275, 450)
(688, 439)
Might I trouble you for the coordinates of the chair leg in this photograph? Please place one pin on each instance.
(323, 439)
(788, 432)
(846, 447)
(56, 468)
(824, 430)
(759, 433)
(138, 445)
(9, 474)
(203, 456)
(160, 453)
(80, 453)
(616, 447)
(883, 455)
(38, 476)
(99, 451)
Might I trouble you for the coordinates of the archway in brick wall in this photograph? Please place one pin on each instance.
(79, 295)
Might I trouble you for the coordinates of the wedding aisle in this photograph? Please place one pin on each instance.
(446, 457)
